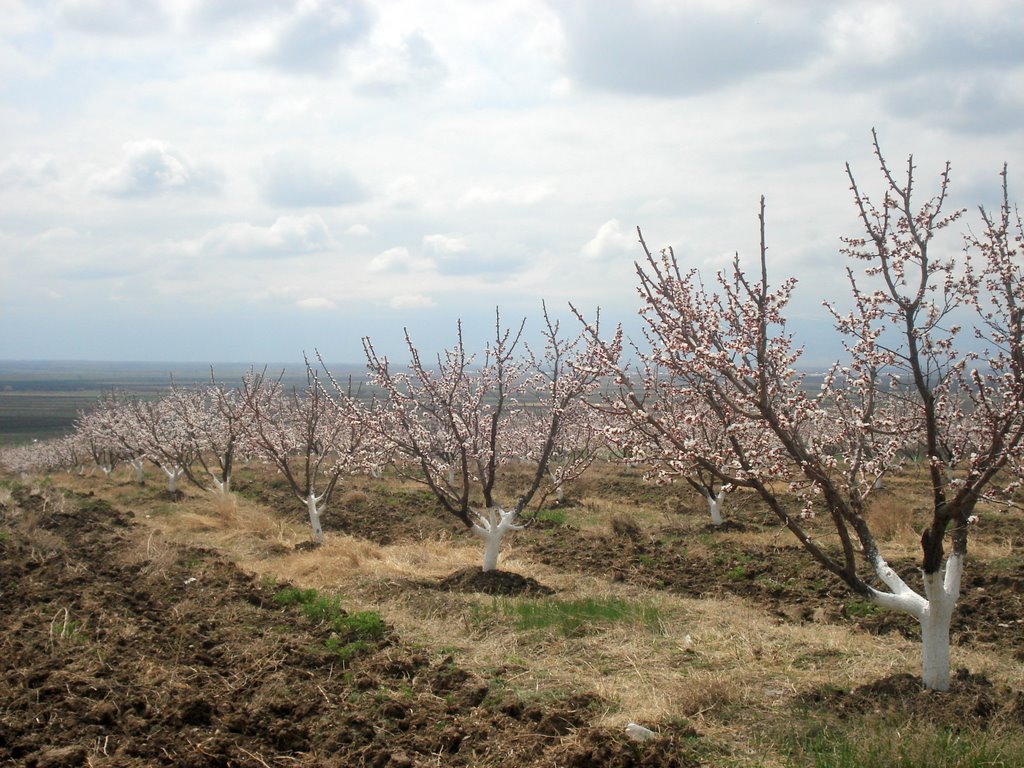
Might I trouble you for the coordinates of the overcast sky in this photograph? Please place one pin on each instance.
(240, 180)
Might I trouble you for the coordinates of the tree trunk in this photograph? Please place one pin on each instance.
(172, 478)
(934, 612)
(314, 517)
(492, 527)
(137, 464)
(221, 487)
(942, 590)
(715, 506)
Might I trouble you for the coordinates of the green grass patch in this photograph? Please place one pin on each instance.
(907, 746)
(572, 617)
(553, 516)
(861, 608)
(351, 633)
(739, 573)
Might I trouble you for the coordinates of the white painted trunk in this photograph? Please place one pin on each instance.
(312, 502)
(221, 487)
(173, 474)
(492, 527)
(492, 546)
(137, 465)
(715, 506)
(106, 470)
(934, 612)
(451, 475)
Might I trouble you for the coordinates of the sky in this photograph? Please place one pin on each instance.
(243, 180)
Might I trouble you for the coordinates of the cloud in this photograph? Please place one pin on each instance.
(298, 180)
(609, 241)
(411, 301)
(521, 195)
(287, 236)
(358, 230)
(445, 244)
(150, 168)
(113, 17)
(414, 66)
(315, 303)
(966, 105)
(399, 260)
(312, 41)
(28, 170)
(683, 49)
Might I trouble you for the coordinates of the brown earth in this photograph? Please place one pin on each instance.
(121, 649)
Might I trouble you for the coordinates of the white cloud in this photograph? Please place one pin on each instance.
(686, 48)
(316, 303)
(313, 40)
(413, 66)
(113, 17)
(397, 260)
(358, 230)
(610, 241)
(520, 195)
(287, 236)
(445, 244)
(299, 179)
(29, 170)
(411, 301)
(150, 167)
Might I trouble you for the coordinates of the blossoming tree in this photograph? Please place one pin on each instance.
(457, 426)
(311, 438)
(909, 378)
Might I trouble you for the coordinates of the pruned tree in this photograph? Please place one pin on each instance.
(218, 420)
(659, 423)
(165, 438)
(457, 425)
(910, 377)
(310, 438)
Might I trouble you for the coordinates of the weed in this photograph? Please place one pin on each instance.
(737, 574)
(351, 633)
(573, 617)
(294, 596)
(553, 516)
(861, 608)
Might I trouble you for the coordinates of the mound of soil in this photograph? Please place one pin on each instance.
(972, 701)
(120, 649)
(494, 582)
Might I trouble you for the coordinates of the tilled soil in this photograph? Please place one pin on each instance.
(120, 649)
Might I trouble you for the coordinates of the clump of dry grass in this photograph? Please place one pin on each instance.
(891, 518)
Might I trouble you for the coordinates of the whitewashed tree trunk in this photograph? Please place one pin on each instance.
(106, 469)
(137, 465)
(221, 487)
(312, 502)
(492, 526)
(173, 473)
(715, 506)
(934, 612)
(559, 487)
